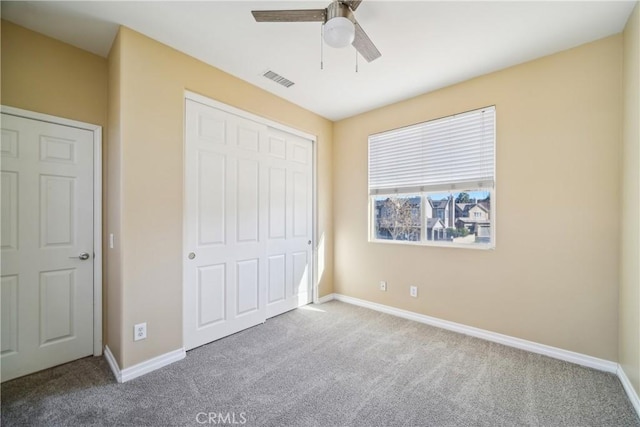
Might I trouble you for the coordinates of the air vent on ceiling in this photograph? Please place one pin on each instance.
(278, 79)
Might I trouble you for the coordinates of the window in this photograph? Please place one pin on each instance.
(398, 217)
(433, 183)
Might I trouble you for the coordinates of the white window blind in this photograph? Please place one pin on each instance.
(455, 152)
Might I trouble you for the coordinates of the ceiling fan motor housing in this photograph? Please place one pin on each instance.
(339, 9)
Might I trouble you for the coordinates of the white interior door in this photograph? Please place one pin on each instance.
(248, 223)
(47, 245)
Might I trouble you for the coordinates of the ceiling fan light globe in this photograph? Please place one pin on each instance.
(339, 32)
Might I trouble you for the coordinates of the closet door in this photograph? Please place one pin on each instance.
(289, 226)
(248, 223)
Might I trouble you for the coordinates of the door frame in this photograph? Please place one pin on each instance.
(192, 96)
(97, 207)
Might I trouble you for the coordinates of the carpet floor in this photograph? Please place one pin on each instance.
(328, 365)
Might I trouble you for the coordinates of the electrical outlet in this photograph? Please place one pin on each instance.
(140, 331)
(383, 285)
(413, 291)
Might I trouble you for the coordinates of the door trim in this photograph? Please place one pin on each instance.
(247, 115)
(188, 95)
(97, 208)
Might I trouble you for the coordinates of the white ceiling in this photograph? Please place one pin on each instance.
(425, 45)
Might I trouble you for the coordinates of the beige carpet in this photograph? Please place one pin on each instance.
(329, 365)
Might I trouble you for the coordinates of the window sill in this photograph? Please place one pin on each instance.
(478, 246)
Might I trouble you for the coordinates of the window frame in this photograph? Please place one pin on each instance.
(423, 231)
(454, 188)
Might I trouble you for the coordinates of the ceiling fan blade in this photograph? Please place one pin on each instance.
(364, 45)
(353, 4)
(300, 15)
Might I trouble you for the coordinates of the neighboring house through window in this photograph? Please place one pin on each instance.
(433, 183)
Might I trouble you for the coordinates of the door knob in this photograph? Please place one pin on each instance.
(83, 256)
(191, 255)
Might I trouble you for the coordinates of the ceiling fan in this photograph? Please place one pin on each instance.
(340, 26)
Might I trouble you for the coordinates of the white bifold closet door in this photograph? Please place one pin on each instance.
(248, 223)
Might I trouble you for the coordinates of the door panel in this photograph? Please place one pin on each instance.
(277, 194)
(211, 295)
(300, 272)
(47, 221)
(247, 287)
(300, 205)
(211, 198)
(9, 211)
(248, 197)
(57, 224)
(277, 283)
(277, 147)
(57, 289)
(247, 212)
(248, 138)
(9, 315)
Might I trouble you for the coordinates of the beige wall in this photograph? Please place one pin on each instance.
(113, 218)
(553, 276)
(153, 78)
(44, 75)
(629, 335)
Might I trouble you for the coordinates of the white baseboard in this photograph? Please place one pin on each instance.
(124, 375)
(111, 360)
(631, 392)
(324, 299)
(554, 352)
